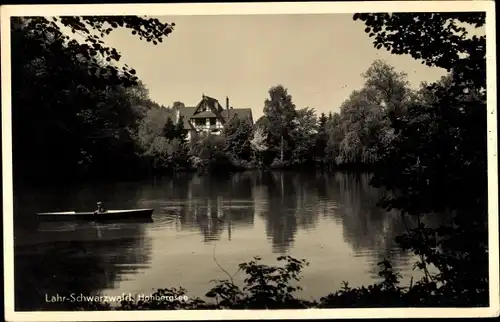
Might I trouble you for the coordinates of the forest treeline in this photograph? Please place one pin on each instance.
(76, 115)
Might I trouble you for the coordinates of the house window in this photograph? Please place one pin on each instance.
(213, 121)
(199, 122)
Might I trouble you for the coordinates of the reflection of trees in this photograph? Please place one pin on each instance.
(307, 201)
(84, 261)
(291, 204)
(369, 229)
(291, 201)
(73, 257)
(206, 215)
(209, 204)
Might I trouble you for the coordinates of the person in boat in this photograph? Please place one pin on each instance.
(100, 209)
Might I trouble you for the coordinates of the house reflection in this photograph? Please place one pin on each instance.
(217, 206)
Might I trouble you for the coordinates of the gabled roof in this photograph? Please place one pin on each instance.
(213, 105)
(214, 109)
(240, 112)
(186, 113)
(204, 115)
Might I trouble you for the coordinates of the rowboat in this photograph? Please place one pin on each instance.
(89, 215)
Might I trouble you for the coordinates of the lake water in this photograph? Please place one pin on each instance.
(329, 219)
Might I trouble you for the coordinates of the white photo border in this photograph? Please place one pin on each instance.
(249, 9)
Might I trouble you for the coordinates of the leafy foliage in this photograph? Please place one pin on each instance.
(304, 136)
(439, 145)
(437, 39)
(363, 124)
(75, 114)
(280, 112)
(277, 287)
(237, 132)
(169, 130)
(207, 154)
(258, 144)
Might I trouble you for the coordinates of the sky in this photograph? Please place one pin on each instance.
(319, 58)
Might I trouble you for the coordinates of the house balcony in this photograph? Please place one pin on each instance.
(208, 128)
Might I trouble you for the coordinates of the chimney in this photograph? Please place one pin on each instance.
(177, 114)
(227, 103)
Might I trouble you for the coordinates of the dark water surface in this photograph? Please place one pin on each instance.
(330, 220)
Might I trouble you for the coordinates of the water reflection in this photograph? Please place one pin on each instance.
(214, 206)
(295, 201)
(289, 205)
(369, 229)
(330, 219)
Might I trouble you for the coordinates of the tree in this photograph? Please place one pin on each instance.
(208, 154)
(158, 153)
(280, 112)
(440, 145)
(321, 141)
(177, 105)
(437, 39)
(178, 153)
(390, 88)
(322, 122)
(258, 143)
(335, 137)
(139, 94)
(363, 121)
(237, 132)
(152, 125)
(457, 53)
(180, 133)
(169, 131)
(303, 135)
(82, 103)
(330, 116)
(93, 29)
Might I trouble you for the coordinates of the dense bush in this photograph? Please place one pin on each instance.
(276, 287)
